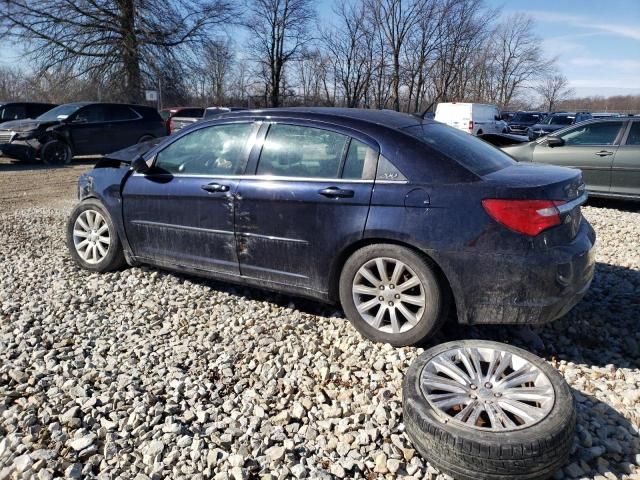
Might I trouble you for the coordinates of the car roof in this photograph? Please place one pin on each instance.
(343, 116)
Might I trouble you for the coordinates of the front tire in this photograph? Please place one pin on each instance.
(56, 152)
(92, 238)
(391, 294)
(484, 410)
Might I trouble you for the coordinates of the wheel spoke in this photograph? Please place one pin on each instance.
(377, 322)
(397, 271)
(529, 394)
(85, 254)
(448, 400)
(436, 382)
(83, 223)
(105, 239)
(364, 271)
(524, 411)
(412, 282)
(80, 233)
(101, 249)
(503, 363)
(411, 317)
(382, 271)
(94, 254)
(417, 300)
(523, 375)
(364, 290)
(395, 324)
(366, 306)
(447, 367)
(103, 228)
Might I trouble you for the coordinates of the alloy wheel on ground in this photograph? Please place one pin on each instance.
(91, 236)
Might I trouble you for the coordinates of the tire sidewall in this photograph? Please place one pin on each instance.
(419, 410)
(48, 145)
(433, 312)
(114, 258)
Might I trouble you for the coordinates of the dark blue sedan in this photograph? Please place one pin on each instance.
(401, 220)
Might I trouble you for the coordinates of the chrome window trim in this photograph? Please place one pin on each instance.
(567, 207)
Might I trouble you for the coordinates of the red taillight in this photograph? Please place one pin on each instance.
(471, 125)
(529, 217)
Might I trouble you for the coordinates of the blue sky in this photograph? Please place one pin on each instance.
(597, 42)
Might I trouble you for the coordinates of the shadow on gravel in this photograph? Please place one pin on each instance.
(8, 165)
(623, 205)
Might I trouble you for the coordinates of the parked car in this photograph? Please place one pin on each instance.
(606, 150)
(285, 199)
(556, 121)
(85, 128)
(211, 112)
(521, 122)
(185, 117)
(19, 110)
(474, 118)
(168, 114)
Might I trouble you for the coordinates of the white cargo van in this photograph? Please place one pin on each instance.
(474, 118)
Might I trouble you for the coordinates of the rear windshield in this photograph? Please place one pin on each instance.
(469, 151)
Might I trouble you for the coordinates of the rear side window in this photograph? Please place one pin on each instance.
(634, 134)
(295, 151)
(13, 112)
(354, 163)
(603, 133)
(469, 151)
(115, 113)
(215, 150)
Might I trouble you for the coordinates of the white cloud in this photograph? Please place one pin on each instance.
(627, 31)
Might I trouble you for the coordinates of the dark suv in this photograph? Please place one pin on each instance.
(556, 121)
(79, 129)
(521, 121)
(19, 110)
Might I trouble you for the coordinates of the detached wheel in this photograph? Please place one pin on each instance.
(391, 294)
(56, 152)
(485, 410)
(92, 238)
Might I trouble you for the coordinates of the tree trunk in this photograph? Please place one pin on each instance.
(130, 52)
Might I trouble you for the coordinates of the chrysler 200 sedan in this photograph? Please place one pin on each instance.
(401, 220)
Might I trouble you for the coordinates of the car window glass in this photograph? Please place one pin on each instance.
(634, 134)
(293, 151)
(216, 150)
(119, 113)
(603, 133)
(90, 114)
(13, 112)
(354, 163)
(388, 171)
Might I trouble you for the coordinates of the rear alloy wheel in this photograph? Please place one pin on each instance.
(56, 152)
(391, 295)
(481, 409)
(92, 238)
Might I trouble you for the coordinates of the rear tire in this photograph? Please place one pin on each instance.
(92, 238)
(405, 307)
(533, 450)
(56, 152)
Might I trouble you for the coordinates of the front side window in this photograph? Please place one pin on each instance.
(216, 150)
(90, 114)
(604, 133)
(294, 151)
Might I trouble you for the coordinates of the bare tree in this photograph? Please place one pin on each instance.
(395, 19)
(279, 30)
(553, 89)
(118, 39)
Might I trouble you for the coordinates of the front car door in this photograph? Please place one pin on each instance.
(181, 213)
(625, 174)
(591, 147)
(307, 201)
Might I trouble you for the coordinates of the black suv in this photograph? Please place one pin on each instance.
(19, 110)
(521, 121)
(86, 128)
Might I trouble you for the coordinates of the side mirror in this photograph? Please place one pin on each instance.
(139, 165)
(554, 142)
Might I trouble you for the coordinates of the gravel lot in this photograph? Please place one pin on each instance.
(144, 374)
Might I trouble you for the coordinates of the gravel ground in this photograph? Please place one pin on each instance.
(144, 374)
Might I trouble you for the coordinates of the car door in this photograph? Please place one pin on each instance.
(122, 127)
(591, 147)
(308, 199)
(181, 212)
(625, 173)
(87, 130)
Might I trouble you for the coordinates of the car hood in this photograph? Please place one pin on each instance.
(547, 128)
(26, 125)
(129, 154)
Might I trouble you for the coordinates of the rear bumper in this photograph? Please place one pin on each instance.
(535, 288)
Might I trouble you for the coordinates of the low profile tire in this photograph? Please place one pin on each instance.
(485, 410)
(391, 294)
(92, 238)
(56, 152)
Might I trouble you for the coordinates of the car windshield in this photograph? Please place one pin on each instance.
(59, 113)
(559, 120)
(471, 152)
(525, 117)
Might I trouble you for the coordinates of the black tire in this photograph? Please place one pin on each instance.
(468, 453)
(480, 132)
(436, 308)
(114, 258)
(145, 138)
(56, 152)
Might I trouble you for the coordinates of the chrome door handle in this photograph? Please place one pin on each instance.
(604, 153)
(335, 192)
(215, 187)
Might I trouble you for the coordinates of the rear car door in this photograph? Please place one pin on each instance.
(591, 147)
(182, 211)
(123, 127)
(625, 173)
(307, 201)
